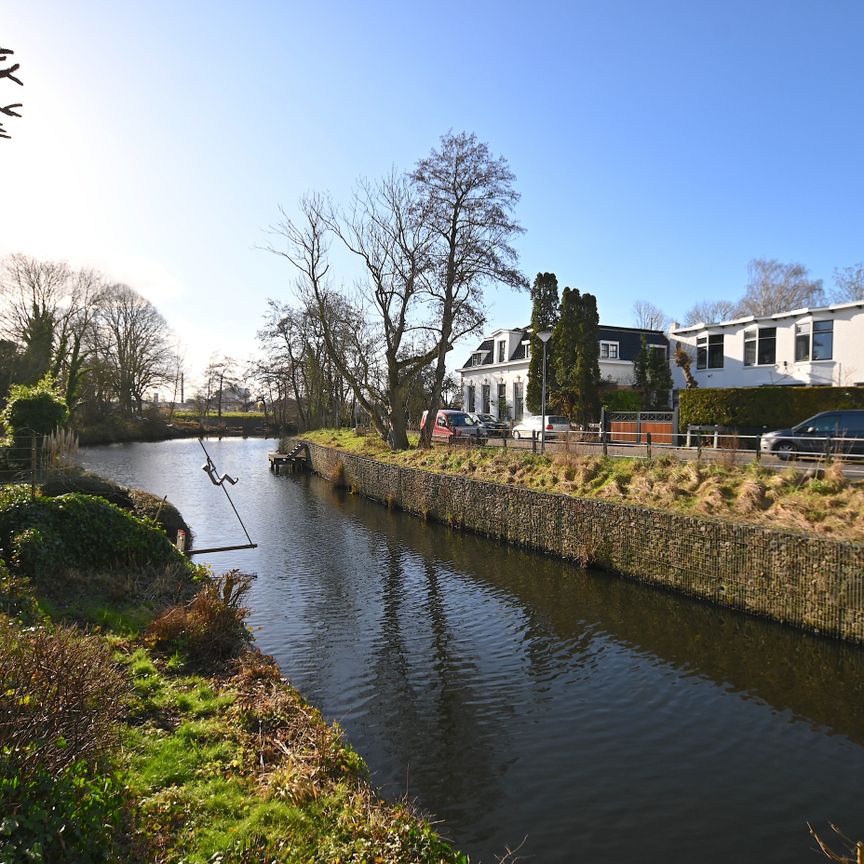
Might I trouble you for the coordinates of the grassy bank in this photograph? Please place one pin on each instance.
(827, 505)
(156, 425)
(138, 724)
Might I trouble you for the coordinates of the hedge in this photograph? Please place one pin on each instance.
(772, 407)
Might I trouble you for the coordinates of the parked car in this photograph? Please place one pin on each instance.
(455, 427)
(533, 425)
(831, 432)
(494, 427)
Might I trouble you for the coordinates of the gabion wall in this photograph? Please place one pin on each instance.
(810, 582)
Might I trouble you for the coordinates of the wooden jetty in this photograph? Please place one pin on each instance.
(297, 460)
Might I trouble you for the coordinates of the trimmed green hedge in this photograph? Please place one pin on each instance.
(774, 407)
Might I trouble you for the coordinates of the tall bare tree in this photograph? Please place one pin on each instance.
(468, 200)
(389, 230)
(647, 316)
(850, 284)
(133, 347)
(775, 287)
(350, 340)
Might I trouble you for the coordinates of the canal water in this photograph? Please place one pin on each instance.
(526, 703)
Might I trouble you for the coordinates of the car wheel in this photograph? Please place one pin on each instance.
(516, 434)
(785, 450)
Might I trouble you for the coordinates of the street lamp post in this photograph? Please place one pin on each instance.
(544, 336)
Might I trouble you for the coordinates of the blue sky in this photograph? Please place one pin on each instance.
(658, 145)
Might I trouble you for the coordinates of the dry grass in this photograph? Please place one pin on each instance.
(819, 501)
(210, 628)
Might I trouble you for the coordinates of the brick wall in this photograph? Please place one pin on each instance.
(810, 582)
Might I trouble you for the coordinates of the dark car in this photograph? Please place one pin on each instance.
(494, 428)
(835, 433)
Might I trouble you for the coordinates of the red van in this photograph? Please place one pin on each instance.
(455, 427)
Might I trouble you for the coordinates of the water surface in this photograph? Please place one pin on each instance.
(520, 700)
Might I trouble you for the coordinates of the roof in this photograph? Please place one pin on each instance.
(752, 319)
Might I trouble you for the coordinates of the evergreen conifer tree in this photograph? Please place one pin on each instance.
(588, 362)
(544, 316)
(652, 378)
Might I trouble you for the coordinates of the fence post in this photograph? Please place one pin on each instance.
(698, 446)
(758, 448)
(604, 441)
(534, 441)
(32, 465)
(648, 444)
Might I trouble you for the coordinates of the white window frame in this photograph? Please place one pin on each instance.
(613, 350)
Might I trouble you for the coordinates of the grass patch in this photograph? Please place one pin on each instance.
(829, 504)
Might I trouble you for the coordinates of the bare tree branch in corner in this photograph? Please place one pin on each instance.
(854, 849)
(9, 72)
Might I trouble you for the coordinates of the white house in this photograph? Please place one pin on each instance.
(806, 346)
(495, 375)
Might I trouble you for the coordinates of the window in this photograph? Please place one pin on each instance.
(518, 400)
(608, 350)
(823, 340)
(502, 401)
(820, 346)
(750, 347)
(472, 396)
(760, 346)
(502, 351)
(802, 342)
(661, 349)
(485, 395)
(709, 351)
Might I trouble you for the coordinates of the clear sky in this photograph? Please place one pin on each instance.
(658, 145)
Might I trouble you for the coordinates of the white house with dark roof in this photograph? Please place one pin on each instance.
(495, 376)
(802, 347)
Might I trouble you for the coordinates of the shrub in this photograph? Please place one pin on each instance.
(211, 627)
(143, 504)
(71, 817)
(45, 536)
(60, 696)
(17, 597)
(37, 408)
(774, 407)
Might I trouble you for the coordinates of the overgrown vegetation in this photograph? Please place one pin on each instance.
(819, 501)
(161, 736)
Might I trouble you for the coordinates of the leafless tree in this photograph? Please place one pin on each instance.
(47, 310)
(850, 284)
(132, 345)
(389, 230)
(9, 73)
(710, 311)
(647, 316)
(775, 287)
(350, 340)
(468, 199)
